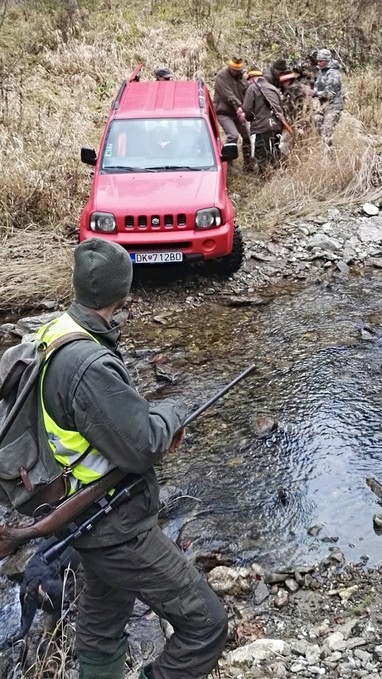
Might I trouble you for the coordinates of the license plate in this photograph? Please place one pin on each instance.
(156, 257)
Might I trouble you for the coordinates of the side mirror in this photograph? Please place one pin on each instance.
(229, 152)
(88, 156)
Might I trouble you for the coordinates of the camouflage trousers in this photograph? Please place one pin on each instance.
(325, 122)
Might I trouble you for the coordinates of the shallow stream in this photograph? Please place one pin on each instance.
(318, 353)
(255, 491)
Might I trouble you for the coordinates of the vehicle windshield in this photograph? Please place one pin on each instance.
(158, 144)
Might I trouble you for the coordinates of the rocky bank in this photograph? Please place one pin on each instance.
(305, 620)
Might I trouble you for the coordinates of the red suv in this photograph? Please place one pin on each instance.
(159, 186)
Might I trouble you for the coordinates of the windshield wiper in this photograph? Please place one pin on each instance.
(127, 168)
(178, 167)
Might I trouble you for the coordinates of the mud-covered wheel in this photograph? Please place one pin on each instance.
(225, 266)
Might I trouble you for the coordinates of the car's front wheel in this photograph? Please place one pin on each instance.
(225, 266)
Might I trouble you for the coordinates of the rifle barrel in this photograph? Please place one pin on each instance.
(13, 537)
(214, 398)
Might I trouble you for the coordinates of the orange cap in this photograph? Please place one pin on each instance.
(236, 64)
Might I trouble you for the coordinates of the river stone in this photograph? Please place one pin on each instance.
(370, 209)
(370, 230)
(314, 530)
(342, 267)
(313, 669)
(347, 592)
(377, 520)
(336, 641)
(272, 578)
(313, 653)
(261, 593)
(224, 580)
(281, 599)
(300, 646)
(347, 627)
(376, 261)
(291, 584)
(323, 242)
(31, 324)
(355, 642)
(264, 425)
(257, 651)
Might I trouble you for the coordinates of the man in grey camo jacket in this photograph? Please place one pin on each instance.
(328, 90)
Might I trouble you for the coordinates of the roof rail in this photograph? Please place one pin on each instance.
(117, 100)
(136, 74)
(201, 93)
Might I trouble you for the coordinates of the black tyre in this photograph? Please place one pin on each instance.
(225, 266)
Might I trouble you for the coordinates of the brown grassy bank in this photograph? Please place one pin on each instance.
(58, 74)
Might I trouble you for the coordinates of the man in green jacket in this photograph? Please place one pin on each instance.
(88, 396)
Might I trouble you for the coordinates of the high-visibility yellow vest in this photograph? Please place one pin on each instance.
(68, 446)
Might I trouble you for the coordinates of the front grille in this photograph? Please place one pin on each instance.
(176, 245)
(156, 222)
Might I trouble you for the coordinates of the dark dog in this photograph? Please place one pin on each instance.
(41, 587)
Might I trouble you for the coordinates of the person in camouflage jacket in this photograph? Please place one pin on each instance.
(328, 91)
(296, 100)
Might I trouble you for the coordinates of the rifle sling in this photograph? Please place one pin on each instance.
(277, 115)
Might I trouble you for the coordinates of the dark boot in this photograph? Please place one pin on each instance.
(97, 665)
(146, 673)
(249, 164)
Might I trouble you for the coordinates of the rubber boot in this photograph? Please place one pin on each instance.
(97, 665)
(146, 673)
(249, 164)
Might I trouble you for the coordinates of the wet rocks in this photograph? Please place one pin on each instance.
(370, 209)
(226, 580)
(321, 246)
(257, 651)
(327, 640)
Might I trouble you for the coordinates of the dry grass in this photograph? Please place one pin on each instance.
(57, 79)
(314, 178)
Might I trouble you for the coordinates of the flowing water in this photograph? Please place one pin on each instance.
(318, 353)
(253, 494)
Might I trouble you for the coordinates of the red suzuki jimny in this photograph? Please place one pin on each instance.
(159, 186)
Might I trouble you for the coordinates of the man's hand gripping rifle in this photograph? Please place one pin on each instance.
(62, 516)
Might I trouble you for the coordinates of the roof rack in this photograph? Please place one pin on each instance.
(201, 93)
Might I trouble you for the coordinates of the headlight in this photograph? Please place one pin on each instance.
(103, 221)
(207, 219)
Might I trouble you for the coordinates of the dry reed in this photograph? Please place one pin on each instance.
(57, 80)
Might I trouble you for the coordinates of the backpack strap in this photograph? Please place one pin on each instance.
(51, 348)
(42, 348)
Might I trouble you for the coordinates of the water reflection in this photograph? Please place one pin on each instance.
(319, 377)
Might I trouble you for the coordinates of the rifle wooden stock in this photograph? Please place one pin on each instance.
(286, 126)
(12, 537)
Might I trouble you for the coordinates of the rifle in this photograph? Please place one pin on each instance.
(278, 115)
(11, 538)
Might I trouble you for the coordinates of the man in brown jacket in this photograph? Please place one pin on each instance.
(230, 88)
(262, 107)
(273, 73)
